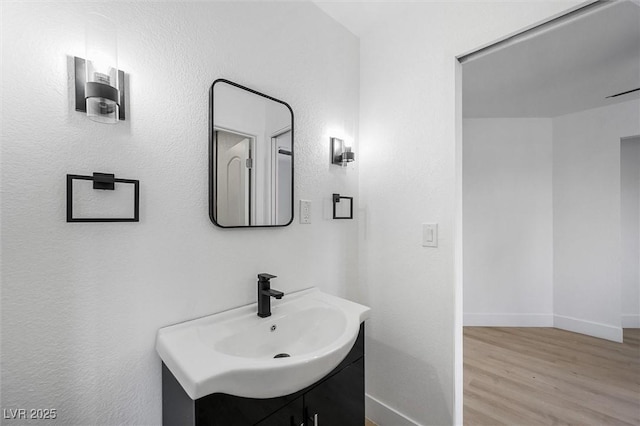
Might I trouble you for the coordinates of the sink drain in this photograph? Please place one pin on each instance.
(282, 356)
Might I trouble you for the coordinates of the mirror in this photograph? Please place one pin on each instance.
(250, 158)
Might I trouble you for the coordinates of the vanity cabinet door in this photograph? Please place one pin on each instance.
(289, 415)
(227, 410)
(339, 400)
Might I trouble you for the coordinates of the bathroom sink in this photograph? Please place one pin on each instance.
(298, 333)
(236, 352)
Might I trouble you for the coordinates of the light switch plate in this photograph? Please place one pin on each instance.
(305, 211)
(429, 235)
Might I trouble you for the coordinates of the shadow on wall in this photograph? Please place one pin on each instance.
(401, 377)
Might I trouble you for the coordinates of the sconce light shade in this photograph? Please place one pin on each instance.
(99, 83)
(341, 154)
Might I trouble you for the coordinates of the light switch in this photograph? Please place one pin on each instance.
(429, 235)
(305, 211)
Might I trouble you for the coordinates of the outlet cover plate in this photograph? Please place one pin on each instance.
(305, 211)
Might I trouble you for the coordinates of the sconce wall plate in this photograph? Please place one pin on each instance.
(336, 199)
(85, 90)
(341, 154)
(105, 181)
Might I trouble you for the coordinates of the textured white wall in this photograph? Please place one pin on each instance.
(586, 217)
(407, 175)
(507, 221)
(81, 303)
(630, 223)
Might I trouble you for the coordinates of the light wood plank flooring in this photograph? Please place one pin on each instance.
(544, 376)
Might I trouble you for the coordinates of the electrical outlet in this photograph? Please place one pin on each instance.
(305, 211)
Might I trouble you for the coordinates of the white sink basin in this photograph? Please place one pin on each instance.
(233, 352)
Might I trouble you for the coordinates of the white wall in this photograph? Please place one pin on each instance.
(510, 236)
(507, 221)
(630, 230)
(408, 169)
(81, 303)
(586, 201)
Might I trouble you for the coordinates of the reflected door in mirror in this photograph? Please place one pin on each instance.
(233, 180)
(282, 183)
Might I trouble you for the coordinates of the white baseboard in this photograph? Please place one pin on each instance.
(590, 328)
(508, 320)
(383, 415)
(630, 321)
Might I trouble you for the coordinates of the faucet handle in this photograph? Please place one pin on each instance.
(265, 277)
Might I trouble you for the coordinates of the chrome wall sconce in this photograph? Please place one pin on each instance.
(340, 153)
(98, 82)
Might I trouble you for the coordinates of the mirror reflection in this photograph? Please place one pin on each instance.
(251, 158)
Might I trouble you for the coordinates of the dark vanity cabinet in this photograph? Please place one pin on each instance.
(336, 399)
(339, 400)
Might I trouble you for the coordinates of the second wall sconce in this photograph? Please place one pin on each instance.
(340, 153)
(98, 82)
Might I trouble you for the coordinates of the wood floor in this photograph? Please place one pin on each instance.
(545, 376)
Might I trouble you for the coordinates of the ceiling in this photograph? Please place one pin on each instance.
(360, 16)
(566, 68)
(562, 68)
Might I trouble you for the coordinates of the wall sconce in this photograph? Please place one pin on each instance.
(99, 84)
(340, 153)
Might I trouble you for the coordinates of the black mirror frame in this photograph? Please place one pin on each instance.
(213, 151)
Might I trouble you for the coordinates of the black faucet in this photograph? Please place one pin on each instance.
(265, 293)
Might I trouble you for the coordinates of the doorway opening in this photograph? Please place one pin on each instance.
(539, 165)
(630, 230)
